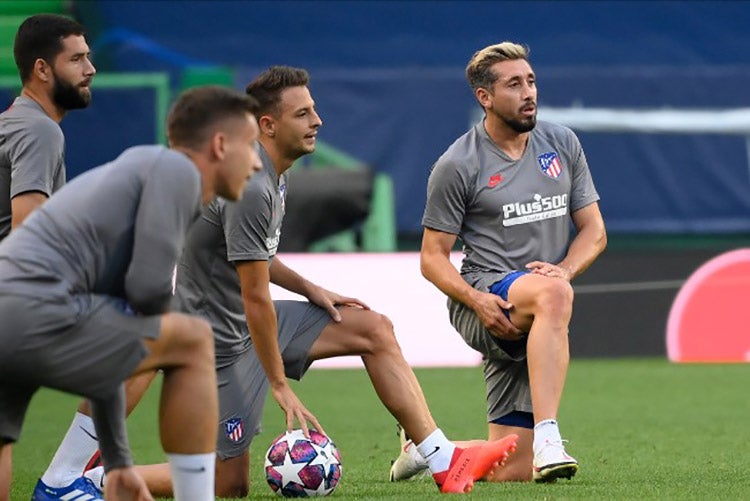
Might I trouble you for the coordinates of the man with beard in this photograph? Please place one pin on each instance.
(509, 188)
(53, 62)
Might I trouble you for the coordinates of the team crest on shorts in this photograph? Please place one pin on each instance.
(550, 164)
(234, 429)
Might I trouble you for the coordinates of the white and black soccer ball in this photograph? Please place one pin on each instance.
(297, 466)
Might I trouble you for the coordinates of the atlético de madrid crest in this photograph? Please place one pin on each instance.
(550, 164)
(234, 429)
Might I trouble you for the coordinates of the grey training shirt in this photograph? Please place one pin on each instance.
(32, 149)
(227, 233)
(509, 212)
(116, 230)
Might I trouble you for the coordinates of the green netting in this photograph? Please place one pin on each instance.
(29, 7)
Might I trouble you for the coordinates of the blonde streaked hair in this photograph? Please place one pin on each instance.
(478, 71)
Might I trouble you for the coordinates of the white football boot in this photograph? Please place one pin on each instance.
(409, 464)
(552, 462)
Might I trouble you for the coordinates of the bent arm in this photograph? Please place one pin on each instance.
(436, 267)
(23, 204)
(287, 278)
(169, 203)
(589, 242)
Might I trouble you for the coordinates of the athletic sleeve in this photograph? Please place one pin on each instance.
(36, 158)
(583, 191)
(170, 202)
(447, 195)
(108, 415)
(247, 222)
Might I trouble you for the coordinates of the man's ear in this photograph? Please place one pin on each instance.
(267, 126)
(218, 145)
(484, 97)
(42, 70)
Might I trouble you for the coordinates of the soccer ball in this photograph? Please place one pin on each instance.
(297, 466)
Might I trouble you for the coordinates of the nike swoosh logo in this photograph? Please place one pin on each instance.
(88, 433)
(192, 470)
(434, 451)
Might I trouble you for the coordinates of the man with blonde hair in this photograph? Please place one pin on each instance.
(509, 189)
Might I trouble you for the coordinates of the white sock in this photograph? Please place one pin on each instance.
(193, 476)
(546, 431)
(73, 454)
(437, 450)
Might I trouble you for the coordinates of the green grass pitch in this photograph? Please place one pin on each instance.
(641, 429)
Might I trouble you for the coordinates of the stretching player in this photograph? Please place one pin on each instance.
(509, 188)
(86, 281)
(224, 275)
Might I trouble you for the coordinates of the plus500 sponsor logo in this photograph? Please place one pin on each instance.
(538, 209)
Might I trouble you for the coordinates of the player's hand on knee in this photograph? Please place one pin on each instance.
(549, 270)
(124, 484)
(329, 300)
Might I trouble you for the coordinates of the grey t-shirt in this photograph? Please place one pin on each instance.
(509, 212)
(226, 233)
(32, 149)
(116, 230)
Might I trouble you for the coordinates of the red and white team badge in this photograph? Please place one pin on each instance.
(234, 429)
(550, 164)
(495, 180)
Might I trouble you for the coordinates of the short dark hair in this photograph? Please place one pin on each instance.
(40, 37)
(196, 111)
(266, 88)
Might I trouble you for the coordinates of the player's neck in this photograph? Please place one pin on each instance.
(511, 142)
(43, 99)
(281, 162)
(206, 168)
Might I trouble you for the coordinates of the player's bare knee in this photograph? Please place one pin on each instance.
(382, 334)
(514, 473)
(234, 488)
(188, 339)
(201, 341)
(230, 482)
(555, 297)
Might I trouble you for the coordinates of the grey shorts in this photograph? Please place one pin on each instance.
(83, 344)
(243, 385)
(506, 374)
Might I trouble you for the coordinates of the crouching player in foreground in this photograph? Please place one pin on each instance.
(86, 280)
(509, 189)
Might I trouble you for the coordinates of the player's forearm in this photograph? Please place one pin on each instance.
(262, 324)
(23, 205)
(108, 415)
(584, 249)
(288, 279)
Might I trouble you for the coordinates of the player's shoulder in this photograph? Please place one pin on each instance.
(157, 161)
(262, 183)
(462, 155)
(29, 120)
(554, 132)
